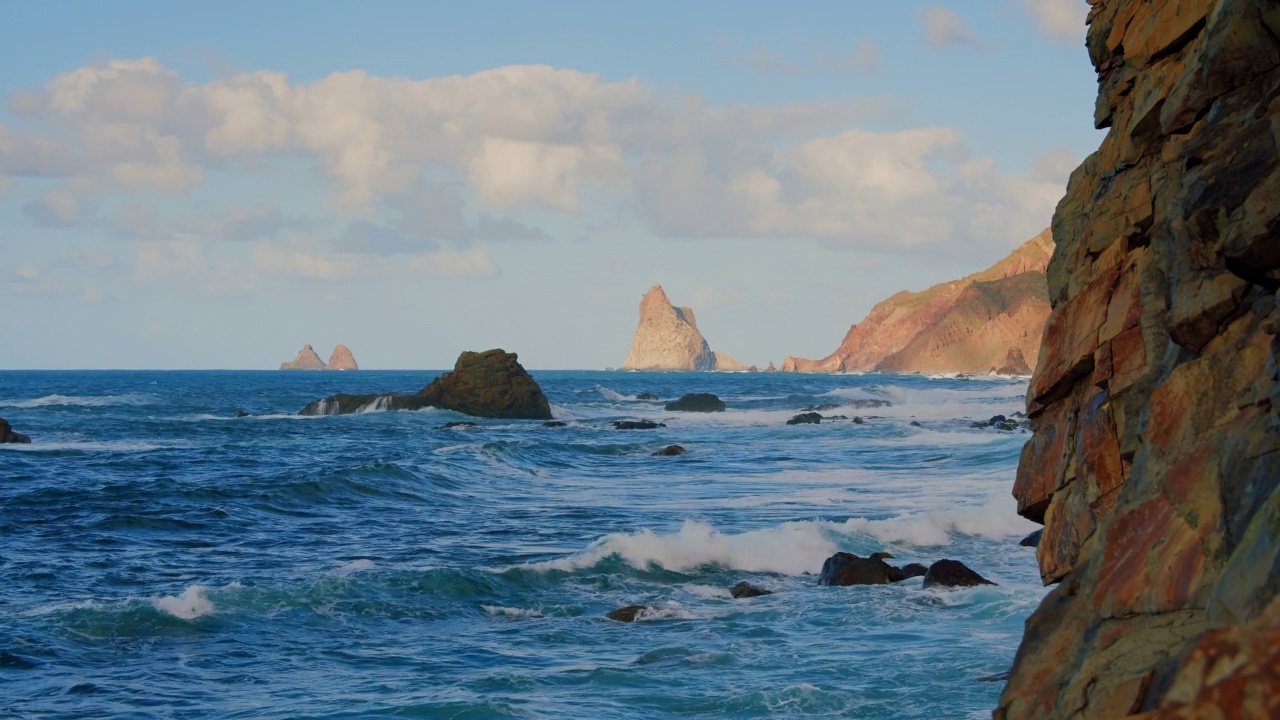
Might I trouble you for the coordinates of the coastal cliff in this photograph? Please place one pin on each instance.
(667, 338)
(990, 320)
(1155, 459)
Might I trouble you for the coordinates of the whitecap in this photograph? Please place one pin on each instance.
(501, 611)
(355, 566)
(81, 401)
(191, 604)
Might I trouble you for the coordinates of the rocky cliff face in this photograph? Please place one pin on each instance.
(976, 324)
(1155, 462)
(668, 339)
(342, 359)
(307, 359)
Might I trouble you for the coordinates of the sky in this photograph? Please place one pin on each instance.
(212, 185)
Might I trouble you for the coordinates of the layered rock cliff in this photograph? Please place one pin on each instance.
(983, 322)
(307, 359)
(667, 338)
(1155, 459)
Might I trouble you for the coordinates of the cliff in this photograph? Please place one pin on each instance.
(307, 359)
(667, 338)
(979, 323)
(342, 359)
(1155, 458)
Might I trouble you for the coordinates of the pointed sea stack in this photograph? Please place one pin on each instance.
(342, 359)
(667, 338)
(307, 359)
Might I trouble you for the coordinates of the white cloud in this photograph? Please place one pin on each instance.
(1059, 19)
(944, 27)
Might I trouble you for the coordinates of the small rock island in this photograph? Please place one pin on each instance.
(307, 359)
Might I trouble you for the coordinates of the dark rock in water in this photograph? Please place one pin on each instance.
(848, 569)
(881, 555)
(553, 423)
(628, 613)
(913, 423)
(637, 425)
(745, 589)
(858, 421)
(646, 396)
(7, 435)
(909, 570)
(999, 422)
(489, 384)
(820, 408)
(1032, 540)
(459, 424)
(671, 450)
(697, 402)
(241, 413)
(812, 418)
(951, 574)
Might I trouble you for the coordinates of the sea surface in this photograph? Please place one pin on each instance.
(161, 557)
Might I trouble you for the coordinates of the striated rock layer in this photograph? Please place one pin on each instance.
(991, 320)
(667, 338)
(1155, 461)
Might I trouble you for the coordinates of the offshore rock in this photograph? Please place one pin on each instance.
(696, 402)
(7, 435)
(490, 384)
(745, 589)
(976, 324)
(667, 337)
(848, 569)
(1155, 459)
(342, 359)
(953, 574)
(637, 425)
(670, 450)
(805, 419)
(629, 613)
(307, 359)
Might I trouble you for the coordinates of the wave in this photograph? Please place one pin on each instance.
(93, 446)
(191, 604)
(501, 611)
(612, 395)
(995, 518)
(80, 401)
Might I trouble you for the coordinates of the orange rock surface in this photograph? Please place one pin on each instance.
(1155, 461)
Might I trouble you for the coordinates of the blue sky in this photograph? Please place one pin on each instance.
(213, 185)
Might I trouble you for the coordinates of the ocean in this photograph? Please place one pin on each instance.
(163, 558)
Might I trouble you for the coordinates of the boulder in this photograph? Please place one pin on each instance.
(7, 435)
(629, 613)
(637, 425)
(307, 359)
(952, 574)
(858, 420)
(848, 569)
(810, 418)
(696, 402)
(670, 450)
(745, 589)
(909, 570)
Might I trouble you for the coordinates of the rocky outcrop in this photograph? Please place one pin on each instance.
(342, 359)
(724, 363)
(952, 574)
(630, 613)
(696, 402)
(7, 435)
(489, 384)
(745, 589)
(1155, 459)
(307, 359)
(848, 569)
(668, 339)
(976, 324)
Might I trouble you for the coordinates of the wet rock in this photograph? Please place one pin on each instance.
(914, 423)
(696, 402)
(628, 613)
(812, 418)
(553, 423)
(952, 574)
(745, 589)
(7, 435)
(242, 413)
(836, 417)
(463, 424)
(858, 421)
(848, 569)
(637, 425)
(1032, 540)
(646, 396)
(670, 450)
(999, 422)
(909, 570)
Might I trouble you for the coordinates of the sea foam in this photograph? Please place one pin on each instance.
(191, 604)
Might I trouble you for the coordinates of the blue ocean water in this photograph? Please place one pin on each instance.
(162, 557)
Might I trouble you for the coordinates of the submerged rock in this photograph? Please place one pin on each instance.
(554, 423)
(629, 613)
(696, 402)
(858, 421)
(490, 384)
(646, 396)
(459, 424)
(745, 589)
(670, 450)
(810, 418)
(242, 413)
(637, 425)
(7, 435)
(953, 574)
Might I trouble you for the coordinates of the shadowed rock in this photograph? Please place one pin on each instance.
(671, 450)
(628, 613)
(745, 589)
(810, 418)
(637, 425)
(7, 435)
(848, 569)
(952, 574)
(696, 402)
(1032, 540)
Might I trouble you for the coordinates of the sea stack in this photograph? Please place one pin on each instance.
(1155, 460)
(307, 359)
(342, 359)
(983, 322)
(667, 338)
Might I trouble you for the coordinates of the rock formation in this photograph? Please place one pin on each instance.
(307, 359)
(342, 359)
(488, 384)
(979, 323)
(1155, 459)
(668, 339)
(7, 435)
(696, 402)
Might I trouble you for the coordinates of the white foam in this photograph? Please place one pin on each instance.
(996, 518)
(355, 566)
(611, 394)
(105, 446)
(500, 611)
(77, 400)
(191, 604)
(707, 592)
